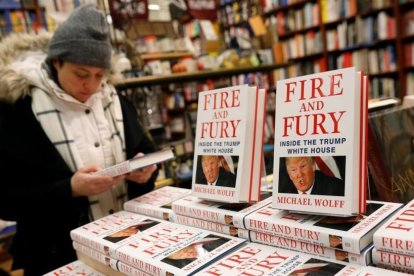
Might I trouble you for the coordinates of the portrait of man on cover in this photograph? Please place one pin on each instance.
(310, 175)
(131, 230)
(216, 170)
(195, 250)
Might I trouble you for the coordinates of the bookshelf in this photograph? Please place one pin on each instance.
(22, 16)
(374, 36)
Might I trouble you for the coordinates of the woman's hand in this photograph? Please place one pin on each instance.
(142, 175)
(85, 183)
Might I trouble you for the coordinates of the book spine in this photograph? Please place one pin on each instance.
(393, 261)
(96, 255)
(118, 169)
(312, 249)
(144, 209)
(303, 234)
(96, 245)
(129, 270)
(138, 263)
(205, 224)
(194, 212)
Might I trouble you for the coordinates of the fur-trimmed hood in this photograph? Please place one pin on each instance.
(21, 59)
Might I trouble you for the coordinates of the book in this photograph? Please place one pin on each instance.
(320, 163)
(108, 262)
(156, 203)
(396, 235)
(393, 261)
(362, 258)
(391, 158)
(209, 225)
(113, 230)
(73, 269)
(229, 144)
(259, 259)
(350, 234)
(219, 212)
(137, 163)
(153, 246)
(173, 249)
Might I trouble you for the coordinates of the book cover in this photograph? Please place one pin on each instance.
(391, 154)
(394, 261)
(156, 203)
(137, 163)
(351, 234)
(259, 259)
(229, 144)
(219, 212)
(396, 235)
(73, 269)
(363, 258)
(320, 161)
(209, 225)
(113, 230)
(174, 249)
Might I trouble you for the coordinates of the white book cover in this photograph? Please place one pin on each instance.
(363, 258)
(209, 225)
(174, 249)
(259, 259)
(137, 163)
(394, 261)
(229, 144)
(351, 234)
(113, 230)
(73, 269)
(320, 161)
(396, 235)
(156, 203)
(219, 212)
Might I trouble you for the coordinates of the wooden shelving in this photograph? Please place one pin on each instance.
(152, 56)
(179, 77)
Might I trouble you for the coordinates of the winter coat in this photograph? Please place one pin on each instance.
(35, 184)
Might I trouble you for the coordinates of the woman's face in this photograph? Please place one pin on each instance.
(80, 81)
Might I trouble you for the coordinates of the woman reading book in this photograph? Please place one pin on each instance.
(61, 121)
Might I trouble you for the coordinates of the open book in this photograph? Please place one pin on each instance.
(137, 163)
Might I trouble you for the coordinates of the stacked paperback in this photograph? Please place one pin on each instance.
(394, 241)
(129, 242)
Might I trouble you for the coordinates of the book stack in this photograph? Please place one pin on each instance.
(157, 203)
(257, 259)
(347, 239)
(139, 245)
(215, 216)
(394, 241)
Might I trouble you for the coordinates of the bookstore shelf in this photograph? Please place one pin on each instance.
(179, 77)
(151, 56)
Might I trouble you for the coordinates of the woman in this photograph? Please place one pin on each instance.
(60, 121)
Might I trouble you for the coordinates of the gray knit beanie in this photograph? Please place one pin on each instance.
(83, 38)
